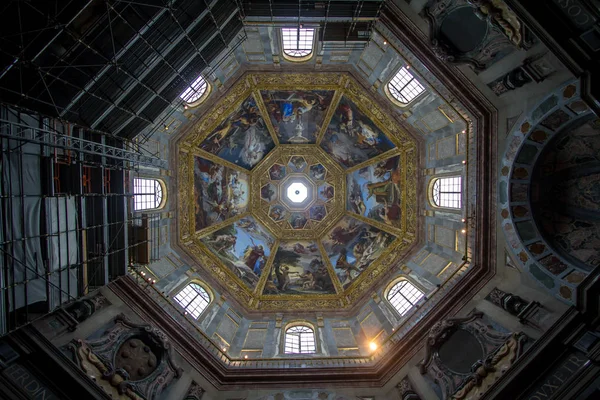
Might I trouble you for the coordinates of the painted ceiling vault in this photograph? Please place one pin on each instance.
(297, 191)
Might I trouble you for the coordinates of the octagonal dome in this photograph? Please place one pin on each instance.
(297, 191)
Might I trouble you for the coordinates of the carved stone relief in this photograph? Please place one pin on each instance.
(534, 69)
(405, 390)
(474, 32)
(130, 361)
(464, 353)
(195, 392)
(66, 319)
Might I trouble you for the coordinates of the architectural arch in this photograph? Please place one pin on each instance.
(520, 190)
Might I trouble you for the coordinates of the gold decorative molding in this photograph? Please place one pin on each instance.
(251, 85)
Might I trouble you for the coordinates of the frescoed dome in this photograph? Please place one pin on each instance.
(297, 192)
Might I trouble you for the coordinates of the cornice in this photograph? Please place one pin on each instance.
(484, 116)
(480, 108)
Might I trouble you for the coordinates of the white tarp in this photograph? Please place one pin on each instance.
(22, 224)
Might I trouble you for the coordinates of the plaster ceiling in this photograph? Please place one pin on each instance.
(319, 136)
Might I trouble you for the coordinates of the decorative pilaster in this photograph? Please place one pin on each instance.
(532, 70)
(195, 392)
(405, 390)
(529, 313)
(507, 301)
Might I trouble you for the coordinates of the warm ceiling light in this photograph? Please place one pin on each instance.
(373, 346)
(246, 357)
(464, 161)
(463, 231)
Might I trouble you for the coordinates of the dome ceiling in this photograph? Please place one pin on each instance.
(297, 191)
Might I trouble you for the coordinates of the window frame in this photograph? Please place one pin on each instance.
(202, 98)
(163, 193)
(431, 195)
(187, 284)
(297, 59)
(415, 78)
(414, 304)
(293, 325)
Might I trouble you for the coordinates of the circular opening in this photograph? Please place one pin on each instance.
(297, 192)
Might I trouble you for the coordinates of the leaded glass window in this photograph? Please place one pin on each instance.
(297, 42)
(403, 296)
(194, 299)
(300, 339)
(404, 87)
(195, 91)
(447, 192)
(147, 194)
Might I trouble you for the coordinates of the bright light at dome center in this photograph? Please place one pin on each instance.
(297, 192)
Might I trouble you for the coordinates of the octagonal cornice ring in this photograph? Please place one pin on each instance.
(224, 175)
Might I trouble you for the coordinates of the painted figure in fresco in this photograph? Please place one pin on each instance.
(296, 116)
(346, 118)
(253, 150)
(219, 192)
(307, 280)
(317, 213)
(300, 249)
(352, 246)
(352, 137)
(267, 193)
(317, 172)
(356, 202)
(343, 264)
(290, 108)
(242, 139)
(375, 192)
(277, 214)
(277, 172)
(341, 235)
(252, 254)
(390, 213)
(298, 163)
(259, 265)
(298, 221)
(283, 277)
(223, 243)
(327, 192)
(298, 268)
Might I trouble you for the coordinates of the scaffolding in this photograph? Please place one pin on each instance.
(112, 66)
(67, 220)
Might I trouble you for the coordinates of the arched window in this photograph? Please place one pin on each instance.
(403, 296)
(194, 94)
(447, 192)
(147, 194)
(297, 43)
(194, 299)
(403, 87)
(299, 339)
